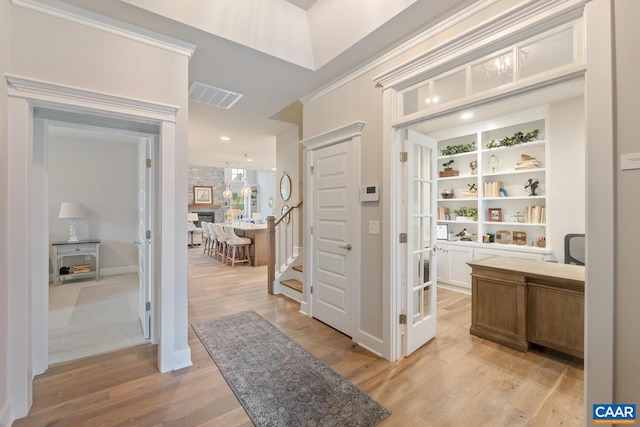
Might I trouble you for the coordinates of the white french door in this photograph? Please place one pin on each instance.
(419, 283)
(145, 192)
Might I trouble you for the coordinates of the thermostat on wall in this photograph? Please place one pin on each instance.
(369, 193)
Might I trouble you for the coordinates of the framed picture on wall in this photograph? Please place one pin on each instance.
(202, 195)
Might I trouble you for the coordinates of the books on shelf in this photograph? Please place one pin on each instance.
(536, 214)
(492, 189)
(527, 162)
(442, 213)
(82, 268)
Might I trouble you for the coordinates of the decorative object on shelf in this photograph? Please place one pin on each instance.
(535, 214)
(473, 165)
(246, 189)
(202, 195)
(494, 163)
(503, 236)
(450, 150)
(542, 242)
(518, 216)
(447, 194)
(488, 238)
(442, 231)
(285, 187)
(448, 170)
(517, 138)
(466, 214)
(464, 235)
(503, 193)
(527, 162)
(71, 211)
(471, 193)
(495, 215)
(519, 238)
(532, 185)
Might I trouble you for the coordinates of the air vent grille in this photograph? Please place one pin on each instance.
(212, 95)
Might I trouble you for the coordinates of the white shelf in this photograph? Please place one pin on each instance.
(532, 144)
(454, 178)
(456, 156)
(515, 224)
(513, 198)
(515, 172)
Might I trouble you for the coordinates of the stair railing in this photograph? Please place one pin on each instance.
(285, 233)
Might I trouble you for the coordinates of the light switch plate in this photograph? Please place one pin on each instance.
(630, 161)
(374, 227)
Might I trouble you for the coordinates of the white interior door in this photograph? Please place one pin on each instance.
(333, 269)
(418, 221)
(145, 194)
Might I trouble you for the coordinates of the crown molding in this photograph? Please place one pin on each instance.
(336, 135)
(24, 87)
(94, 20)
(433, 30)
(515, 24)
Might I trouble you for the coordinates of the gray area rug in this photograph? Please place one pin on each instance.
(280, 383)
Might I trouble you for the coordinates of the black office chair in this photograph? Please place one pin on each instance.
(574, 249)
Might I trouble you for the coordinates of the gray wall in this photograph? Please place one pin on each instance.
(627, 290)
(104, 177)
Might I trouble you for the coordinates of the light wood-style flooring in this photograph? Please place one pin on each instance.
(455, 380)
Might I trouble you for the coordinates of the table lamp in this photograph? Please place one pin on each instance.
(71, 211)
(192, 216)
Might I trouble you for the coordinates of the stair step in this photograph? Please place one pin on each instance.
(297, 268)
(293, 284)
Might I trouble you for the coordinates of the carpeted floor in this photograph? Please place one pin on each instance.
(89, 317)
(277, 381)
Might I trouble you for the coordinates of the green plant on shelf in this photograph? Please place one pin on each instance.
(517, 138)
(447, 165)
(467, 211)
(450, 150)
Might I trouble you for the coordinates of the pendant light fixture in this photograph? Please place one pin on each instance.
(227, 193)
(246, 190)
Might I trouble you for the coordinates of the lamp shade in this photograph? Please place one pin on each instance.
(192, 216)
(71, 210)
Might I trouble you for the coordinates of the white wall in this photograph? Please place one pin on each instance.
(567, 171)
(627, 289)
(104, 177)
(101, 62)
(5, 37)
(266, 181)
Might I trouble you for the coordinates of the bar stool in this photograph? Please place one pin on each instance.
(205, 236)
(237, 245)
(213, 243)
(221, 240)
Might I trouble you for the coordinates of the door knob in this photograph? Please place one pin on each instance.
(347, 246)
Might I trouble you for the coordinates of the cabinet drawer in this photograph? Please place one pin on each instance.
(80, 249)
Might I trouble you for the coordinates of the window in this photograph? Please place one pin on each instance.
(237, 174)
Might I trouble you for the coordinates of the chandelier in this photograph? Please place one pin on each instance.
(246, 190)
(502, 66)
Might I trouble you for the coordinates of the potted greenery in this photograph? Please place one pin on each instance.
(466, 214)
(448, 169)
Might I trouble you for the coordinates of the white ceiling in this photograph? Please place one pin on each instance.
(343, 39)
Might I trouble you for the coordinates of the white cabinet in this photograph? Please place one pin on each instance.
(452, 266)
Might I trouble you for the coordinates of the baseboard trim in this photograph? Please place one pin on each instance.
(182, 359)
(5, 414)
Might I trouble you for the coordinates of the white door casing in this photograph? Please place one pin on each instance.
(144, 242)
(333, 271)
(419, 264)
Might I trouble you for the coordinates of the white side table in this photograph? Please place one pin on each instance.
(68, 249)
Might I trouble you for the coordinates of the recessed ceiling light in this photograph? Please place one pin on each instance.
(467, 115)
(225, 138)
(249, 160)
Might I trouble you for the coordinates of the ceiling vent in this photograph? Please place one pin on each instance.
(212, 95)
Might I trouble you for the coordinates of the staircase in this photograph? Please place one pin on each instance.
(285, 274)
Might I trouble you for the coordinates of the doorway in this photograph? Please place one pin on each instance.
(101, 168)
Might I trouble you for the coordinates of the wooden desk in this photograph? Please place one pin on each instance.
(515, 302)
(258, 234)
